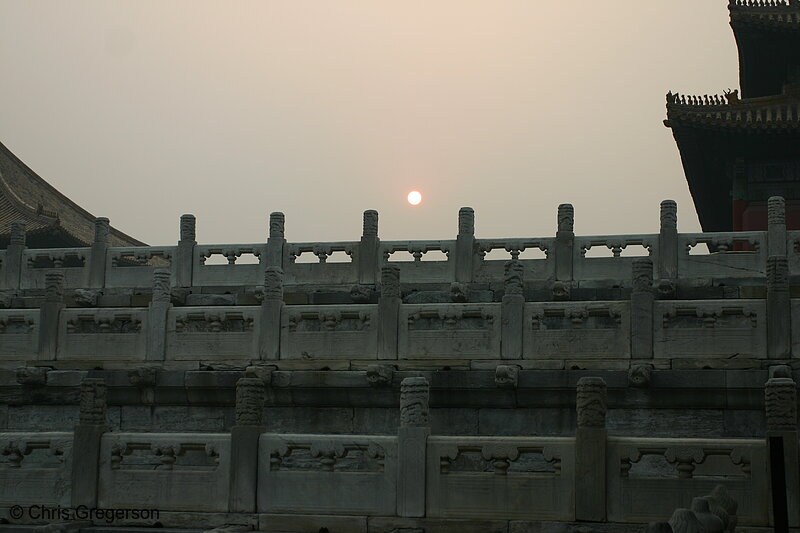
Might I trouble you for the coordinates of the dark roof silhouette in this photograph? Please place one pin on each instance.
(51, 219)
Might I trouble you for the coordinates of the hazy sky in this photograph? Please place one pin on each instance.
(144, 110)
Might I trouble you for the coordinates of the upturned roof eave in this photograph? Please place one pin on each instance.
(26, 211)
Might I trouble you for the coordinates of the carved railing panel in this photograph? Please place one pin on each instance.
(649, 478)
(35, 468)
(322, 270)
(493, 269)
(212, 332)
(417, 270)
(730, 255)
(133, 267)
(327, 474)
(449, 330)
(73, 262)
(501, 477)
(613, 264)
(169, 472)
(585, 329)
(19, 333)
(710, 328)
(310, 332)
(107, 333)
(233, 270)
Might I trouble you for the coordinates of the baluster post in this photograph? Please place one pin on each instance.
(369, 248)
(185, 255)
(668, 241)
(12, 267)
(87, 441)
(779, 308)
(565, 242)
(269, 338)
(590, 450)
(776, 226)
(512, 310)
(389, 312)
(157, 314)
(50, 314)
(780, 402)
(250, 401)
(276, 241)
(412, 442)
(642, 299)
(465, 245)
(97, 259)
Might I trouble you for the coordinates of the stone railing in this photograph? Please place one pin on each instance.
(411, 475)
(635, 329)
(565, 257)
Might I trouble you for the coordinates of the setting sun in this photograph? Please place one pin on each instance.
(414, 197)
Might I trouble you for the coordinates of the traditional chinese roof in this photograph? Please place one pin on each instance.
(714, 133)
(51, 219)
(727, 112)
(768, 39)
(781, 15)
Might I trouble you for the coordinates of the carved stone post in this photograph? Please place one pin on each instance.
(590, 450)
(779, 308)
(369, 249)
(780, 402)
(642, 299)
(511, 311)
(565, 241)
(668, 241)
(269, 337)
(776, 229)
(50, 313)
(185, 255)
(250, 399)
(389, 311)
(157, 315)
(465, 244)
(97, 260)
(276, 240)
(86, 444)
(12, 266)
(412, 445)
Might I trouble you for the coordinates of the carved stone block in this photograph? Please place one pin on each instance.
(93, 402)
(379, 375)
(32, 376)
(17, 236)
(466, 221)
(669, 215)
(86, 297)
(512, 280)
(250, 397)
(639, 375)
(780, 400)
(390, 281)
(591, 402)
(188, 228)
(161, 286)
(277, 225)
(101, 229)
(370, 223)
(506, 376)
(566, 218)
(414, 397)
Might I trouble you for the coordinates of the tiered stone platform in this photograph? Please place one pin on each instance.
(240, 384)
